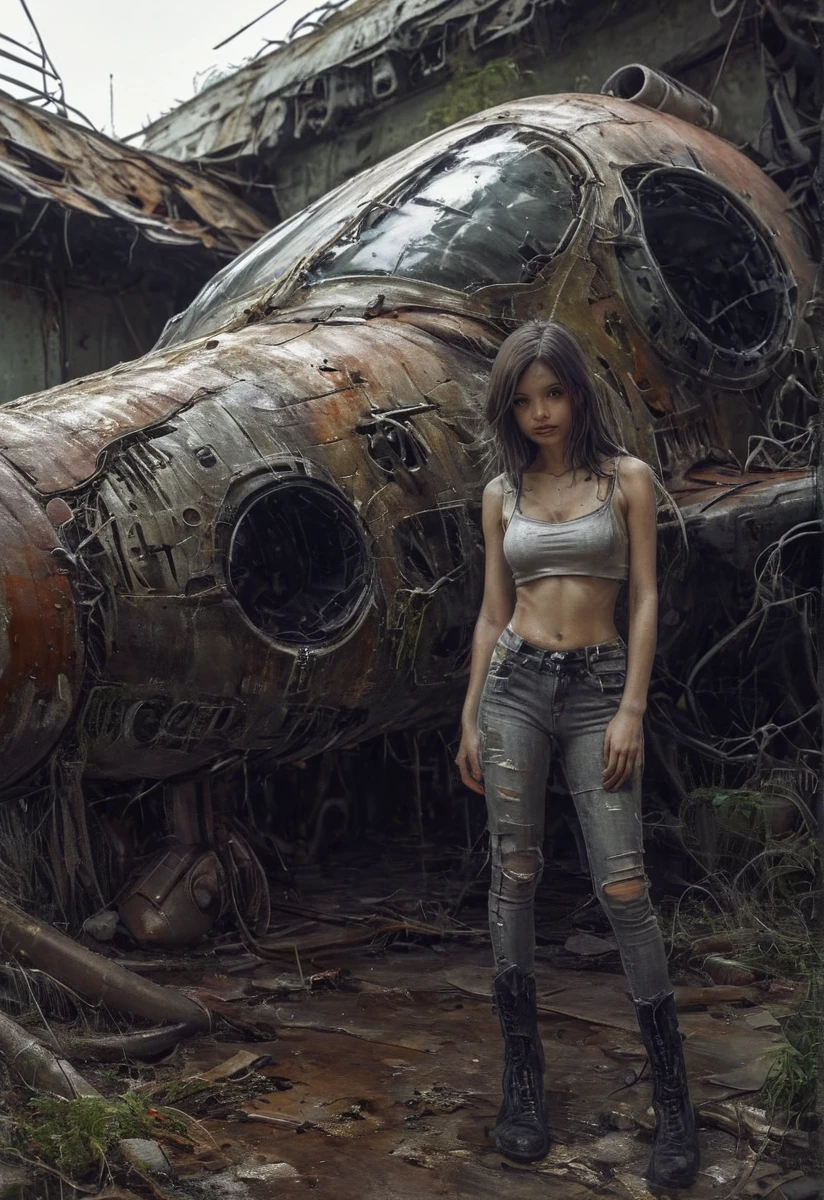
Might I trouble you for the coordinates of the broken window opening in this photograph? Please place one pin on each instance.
(298, 563)
(718, 270)
(493, 210)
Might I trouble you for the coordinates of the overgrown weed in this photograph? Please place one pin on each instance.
(756, 845)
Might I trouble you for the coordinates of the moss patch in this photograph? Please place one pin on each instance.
(76, 1136)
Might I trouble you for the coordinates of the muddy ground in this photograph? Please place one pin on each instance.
(373, 1070)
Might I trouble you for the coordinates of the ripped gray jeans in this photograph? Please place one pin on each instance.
(535, 703)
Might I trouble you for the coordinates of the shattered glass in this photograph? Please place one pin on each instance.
(263, 263)
(491, 211)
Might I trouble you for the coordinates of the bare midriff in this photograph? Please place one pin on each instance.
(564, 612)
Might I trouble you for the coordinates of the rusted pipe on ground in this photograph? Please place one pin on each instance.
(26, 939)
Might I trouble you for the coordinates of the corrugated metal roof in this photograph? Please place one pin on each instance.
(46, 157)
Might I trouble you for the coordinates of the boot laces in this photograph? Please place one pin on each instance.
(524, 1079)
(671, 1112)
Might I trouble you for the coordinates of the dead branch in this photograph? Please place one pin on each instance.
(37, 1066)
(146, 1043)
(744, 1121)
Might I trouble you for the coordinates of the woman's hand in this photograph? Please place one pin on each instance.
(469, 760)
(623, 749)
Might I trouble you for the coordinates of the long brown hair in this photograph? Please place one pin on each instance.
(590, 440)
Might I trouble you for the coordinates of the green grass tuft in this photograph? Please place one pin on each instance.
(76, 1136)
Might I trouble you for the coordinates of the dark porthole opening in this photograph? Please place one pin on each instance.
(298, 563)
(716, 262)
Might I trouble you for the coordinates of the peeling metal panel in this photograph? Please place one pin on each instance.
(50, 159)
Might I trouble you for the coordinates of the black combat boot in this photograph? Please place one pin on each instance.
(674, 1159)
(521, 1130)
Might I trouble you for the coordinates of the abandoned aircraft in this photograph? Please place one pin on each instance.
(263, 537)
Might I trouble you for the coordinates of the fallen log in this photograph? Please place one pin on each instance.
(41, 1069)
(38, 1066)
(744, 1120)
(28, 940)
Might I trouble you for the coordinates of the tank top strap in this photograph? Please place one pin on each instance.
(613, 478)
(510, 497)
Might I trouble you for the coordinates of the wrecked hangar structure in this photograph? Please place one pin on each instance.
(100, 243)
(358, 83)
(261, 541)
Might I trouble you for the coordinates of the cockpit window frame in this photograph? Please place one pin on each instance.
(366, 186)
(427, 170)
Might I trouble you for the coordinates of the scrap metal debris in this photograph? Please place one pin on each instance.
(51, 161)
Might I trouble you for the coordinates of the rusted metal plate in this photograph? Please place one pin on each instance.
(50, 159)
(40, 653)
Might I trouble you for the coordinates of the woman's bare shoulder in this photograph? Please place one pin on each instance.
(632, 470)
(494, 490)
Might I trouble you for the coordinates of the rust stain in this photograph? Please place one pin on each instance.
(40, 657)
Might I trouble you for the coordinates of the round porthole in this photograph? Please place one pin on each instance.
(701, 275)
(298, 563)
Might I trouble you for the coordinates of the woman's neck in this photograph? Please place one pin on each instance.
(551, 461)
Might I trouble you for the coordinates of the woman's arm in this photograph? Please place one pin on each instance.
(496, 609)
(624, 742)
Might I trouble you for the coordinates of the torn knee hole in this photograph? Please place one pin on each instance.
(625, 889)
(522, 866)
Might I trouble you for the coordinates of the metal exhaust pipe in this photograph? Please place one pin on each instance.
(654, 89)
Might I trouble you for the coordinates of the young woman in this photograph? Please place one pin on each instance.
(570, 517)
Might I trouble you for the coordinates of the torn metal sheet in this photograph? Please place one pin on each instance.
(51, 160)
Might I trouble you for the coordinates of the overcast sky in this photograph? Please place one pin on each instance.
(154, 49)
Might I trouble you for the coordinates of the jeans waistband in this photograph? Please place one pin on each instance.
(580, 654)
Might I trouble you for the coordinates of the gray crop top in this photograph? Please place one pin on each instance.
(594, 544)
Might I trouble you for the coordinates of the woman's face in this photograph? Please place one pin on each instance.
(542, 407)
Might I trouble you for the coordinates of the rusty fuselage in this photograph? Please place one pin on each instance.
(264, 535)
